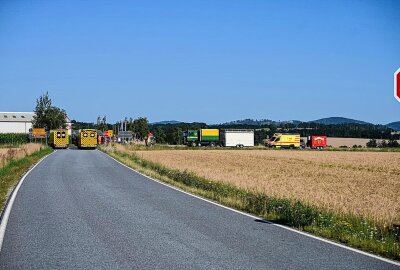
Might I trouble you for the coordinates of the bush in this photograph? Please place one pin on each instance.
(372, 143)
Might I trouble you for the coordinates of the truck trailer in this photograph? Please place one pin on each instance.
(237, 137)
(316, 142)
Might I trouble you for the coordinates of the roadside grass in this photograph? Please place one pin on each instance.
(355, 231)
(11, 173)
(11, 152)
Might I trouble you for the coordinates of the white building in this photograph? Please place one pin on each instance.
(16, 122)
(21, 122)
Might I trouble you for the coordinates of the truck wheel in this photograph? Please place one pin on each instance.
(193, 144)
(212, 144)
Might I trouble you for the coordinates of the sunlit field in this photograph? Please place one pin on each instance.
(361, 183)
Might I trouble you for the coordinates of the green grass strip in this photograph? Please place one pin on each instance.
(351, 230)
(11, 173)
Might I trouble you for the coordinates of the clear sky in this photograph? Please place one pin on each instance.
(211, 61)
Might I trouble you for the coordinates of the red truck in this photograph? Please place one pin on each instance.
(316, 142)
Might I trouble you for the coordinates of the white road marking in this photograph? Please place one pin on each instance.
(7, 211)
(258, 218)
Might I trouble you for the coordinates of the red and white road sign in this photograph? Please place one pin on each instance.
(397, 84)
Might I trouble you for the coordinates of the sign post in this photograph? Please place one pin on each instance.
(397, 85)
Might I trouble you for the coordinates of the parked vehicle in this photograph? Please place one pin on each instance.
(58, 138)
(216, 137)
(237, 137)
(87, 139)
(201, 137)
(284, 140)
(303, 143)
(316, 142)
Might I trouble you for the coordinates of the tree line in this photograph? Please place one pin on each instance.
(51, 117)
(172, 133)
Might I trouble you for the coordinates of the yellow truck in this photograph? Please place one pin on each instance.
(59, 138)
(284, 140)
(87, 139)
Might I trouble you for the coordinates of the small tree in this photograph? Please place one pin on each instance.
(393, 143)
(48, 116)
(383, 144)
(372, 143)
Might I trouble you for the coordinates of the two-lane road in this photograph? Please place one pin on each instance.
(82, 210)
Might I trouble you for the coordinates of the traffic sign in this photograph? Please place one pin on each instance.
(397, 85)
(38, 132)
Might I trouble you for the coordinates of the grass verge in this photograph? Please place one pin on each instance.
(353, 231)
(11, 173)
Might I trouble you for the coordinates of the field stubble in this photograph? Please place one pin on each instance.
(364, 184)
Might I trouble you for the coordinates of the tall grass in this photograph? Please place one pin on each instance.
(12, 172)
(10, 153)
(353, 230)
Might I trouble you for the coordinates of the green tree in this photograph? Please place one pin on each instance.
(48, 116)
(160, 135)
(140, 127)
(372, 143)
(393, 143)
(383, 144)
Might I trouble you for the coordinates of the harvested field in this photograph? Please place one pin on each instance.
(6, 154)
(360, 183)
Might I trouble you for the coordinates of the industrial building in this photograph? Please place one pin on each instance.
(16, 122)
(21, 122)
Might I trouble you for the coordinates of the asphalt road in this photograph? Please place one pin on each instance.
(82, 210)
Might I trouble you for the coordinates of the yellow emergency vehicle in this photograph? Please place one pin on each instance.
(284, 140)
(87, 139)
(59, 138)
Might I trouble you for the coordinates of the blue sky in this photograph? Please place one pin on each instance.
(211, 61)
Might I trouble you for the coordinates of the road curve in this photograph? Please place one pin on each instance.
(82, 210)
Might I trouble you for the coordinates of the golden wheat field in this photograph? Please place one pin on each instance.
(19, 152)
(361, 183)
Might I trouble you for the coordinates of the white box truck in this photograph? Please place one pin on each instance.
(237, 137)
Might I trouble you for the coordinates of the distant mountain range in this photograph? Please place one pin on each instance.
(168, 122)
(338, 121)
(261, 122)
(394, 125)
(252, 122)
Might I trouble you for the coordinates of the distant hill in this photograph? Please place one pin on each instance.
(338, 121)
(261, 122)
(394, 125)
(166, 122)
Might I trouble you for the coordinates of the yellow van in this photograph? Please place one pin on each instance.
(87, 139)
(284, 140)
(59, 138)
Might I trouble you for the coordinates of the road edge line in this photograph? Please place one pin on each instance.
(259, 218)
(10, 201)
